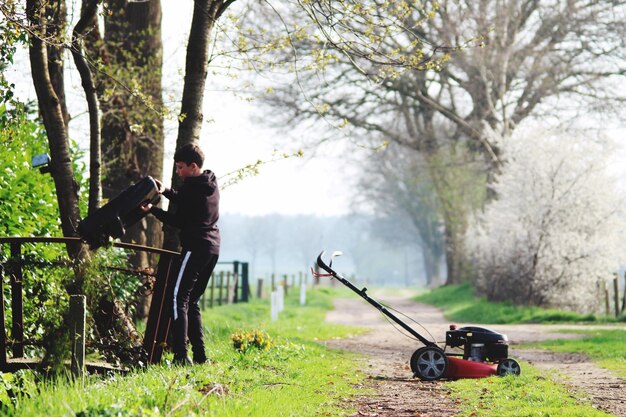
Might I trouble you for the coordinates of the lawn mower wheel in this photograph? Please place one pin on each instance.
(429, 363)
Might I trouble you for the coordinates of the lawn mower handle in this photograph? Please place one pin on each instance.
(363, 294)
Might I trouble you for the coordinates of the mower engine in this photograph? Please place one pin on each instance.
(479, 344)
(485, 353)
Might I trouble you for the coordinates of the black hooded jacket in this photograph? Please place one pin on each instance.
(196, 212)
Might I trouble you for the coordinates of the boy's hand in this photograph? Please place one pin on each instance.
(145, 206)
(160, 186)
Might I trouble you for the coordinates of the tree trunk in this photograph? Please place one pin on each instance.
(145, 24)
(431, 266)
(459, 186)
(51, 110)
(88, 14)
(56, 12)
(455, 262)
(132, 119)
(205, 13)
(55, 121)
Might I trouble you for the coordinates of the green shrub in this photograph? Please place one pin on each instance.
(28, 204)
(13, 385)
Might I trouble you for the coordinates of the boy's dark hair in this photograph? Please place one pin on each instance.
(189, 153)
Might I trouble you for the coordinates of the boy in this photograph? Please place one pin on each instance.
(196, 214)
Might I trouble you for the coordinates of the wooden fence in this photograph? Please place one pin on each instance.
(229, 286)
(612, 296)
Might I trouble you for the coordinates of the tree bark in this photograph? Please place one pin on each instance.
(88, 14)
(57, 13)
(132, 118)
(54, 122)
(431, 266)
(205, 14)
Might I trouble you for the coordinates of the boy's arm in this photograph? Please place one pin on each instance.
(165, 216)
(170, 194)
(167, 192)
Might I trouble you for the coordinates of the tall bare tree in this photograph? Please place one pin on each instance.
(130, 98)
(54, 117)
(533, 54)
(205, 15)
(397, 184)
(87, 19)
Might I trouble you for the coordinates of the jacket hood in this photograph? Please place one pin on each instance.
(206, 179)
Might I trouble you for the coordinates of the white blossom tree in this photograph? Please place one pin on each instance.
(556, 227)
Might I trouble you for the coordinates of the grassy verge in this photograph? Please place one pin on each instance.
(296, 377)
(606, 347)
(527, 395)
(460, 304)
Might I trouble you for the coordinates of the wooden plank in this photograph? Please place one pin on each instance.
(17, 302)
(33, 363)
(3, 332)
(65, 240)
(78, 318)
(245, 283)
(212, 293)
(159, 315)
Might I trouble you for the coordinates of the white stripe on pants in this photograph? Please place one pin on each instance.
(180, 276)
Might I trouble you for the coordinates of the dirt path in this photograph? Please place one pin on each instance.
(399, 395)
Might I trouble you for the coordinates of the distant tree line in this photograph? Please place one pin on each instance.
(434, 158)
(377, 250)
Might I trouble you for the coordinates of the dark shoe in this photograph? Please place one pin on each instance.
(200, 358)
(182, 360)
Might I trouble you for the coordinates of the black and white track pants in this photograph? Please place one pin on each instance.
(195, 271)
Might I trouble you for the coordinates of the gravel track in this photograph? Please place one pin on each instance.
(399, 395)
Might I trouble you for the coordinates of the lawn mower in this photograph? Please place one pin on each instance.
(484, 351)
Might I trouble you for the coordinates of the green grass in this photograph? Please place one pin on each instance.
(606, 347)
(527, 395)
(298, 377)
(460, 304)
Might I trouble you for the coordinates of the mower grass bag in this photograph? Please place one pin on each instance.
(112, 219)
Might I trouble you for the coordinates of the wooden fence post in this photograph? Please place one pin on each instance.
(159, 316)
(316, 278)
(227, 298)
(17, 304)
(607, 307)
(212, 296)
(259, 288)
(624, 295)
(245, 282)
(232, 296)
(78, 314)
(616, 294)
(285, 284)
(231, 290)
(220, 289)
(3, 334)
